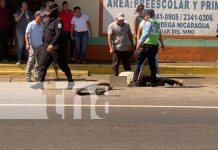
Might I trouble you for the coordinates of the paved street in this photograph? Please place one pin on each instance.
(160, 118)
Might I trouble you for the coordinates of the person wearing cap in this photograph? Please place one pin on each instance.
(53, 49)
(147, 46)
(119, 35)
(139, 32)
(33, 39)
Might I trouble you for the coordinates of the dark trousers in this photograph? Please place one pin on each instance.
(149, 52)
(81, 39)
(45, 59)
(69, 42)
(4, 43)
(143, 80)
(121, 56)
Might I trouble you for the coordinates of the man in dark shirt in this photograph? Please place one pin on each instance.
(5, 19)
(53, 48)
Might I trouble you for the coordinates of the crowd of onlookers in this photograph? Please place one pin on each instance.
(77, 29)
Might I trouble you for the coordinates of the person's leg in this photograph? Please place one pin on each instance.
(36, 58)
(62, 63)
(20, 45)
(162, 81)
(44, 62)
(141, 58)
(30, 63)
(85, 38)
(125, 59)
(116, 63)
(78, 45)
(151, 61)
(157, 66)
(66, 44)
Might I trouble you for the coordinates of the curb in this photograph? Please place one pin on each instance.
(85, 70)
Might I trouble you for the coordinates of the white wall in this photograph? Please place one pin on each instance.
(90, 8)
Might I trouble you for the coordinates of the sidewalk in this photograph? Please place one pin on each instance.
(189, 68)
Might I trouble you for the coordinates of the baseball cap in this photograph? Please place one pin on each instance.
(39, 13)
(148, 12)
(120, 16)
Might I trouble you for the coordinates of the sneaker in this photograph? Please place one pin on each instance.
(36, 79)
(180, 83)
(28, 79)
(38, 85)
(70, 85)
(18, 63)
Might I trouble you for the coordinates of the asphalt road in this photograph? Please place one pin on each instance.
(161, 118)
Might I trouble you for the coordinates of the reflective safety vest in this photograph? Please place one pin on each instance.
(153, 37)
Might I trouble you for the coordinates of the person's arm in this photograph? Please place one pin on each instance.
(90, 27)
(18, 16)
(110, 44)
(130, 38)
(72, 28)
(139, 33)
(161, 41)
(27, 41)
(27, 37)
(58, 32)
(134, 28)
(145, 33)
(110, 32)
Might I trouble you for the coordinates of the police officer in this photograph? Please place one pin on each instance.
(147, 46)
(54, 45)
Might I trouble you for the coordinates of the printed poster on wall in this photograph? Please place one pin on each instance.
(176, 17)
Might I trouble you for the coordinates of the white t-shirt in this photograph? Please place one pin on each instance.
(80, 23)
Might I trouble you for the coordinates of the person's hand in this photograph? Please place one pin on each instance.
(50, 48)
(27, 47)
(131, 48)
(136, 54)
(137, 46)
(22, 10)
(111, 51)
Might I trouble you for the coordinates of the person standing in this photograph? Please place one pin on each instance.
(33, 38)
(137, 20)
(119, 34)
(53, 49)
(66, 15)
(22, 17)
(81, 26)
(139, 32)
(4, 31)
(147, 46)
